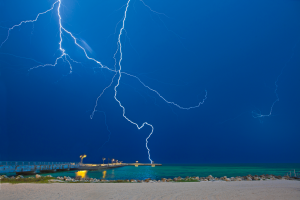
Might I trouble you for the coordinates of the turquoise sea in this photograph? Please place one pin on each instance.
(175, 170)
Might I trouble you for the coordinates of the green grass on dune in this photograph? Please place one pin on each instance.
(188, 180)
(26, 180)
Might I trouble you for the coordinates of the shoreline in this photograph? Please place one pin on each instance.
(272, 189)
(79, 179)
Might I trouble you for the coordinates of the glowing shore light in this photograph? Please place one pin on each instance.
(82, 173)
(82, 157)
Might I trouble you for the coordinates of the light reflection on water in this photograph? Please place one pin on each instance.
(171, 171)
(82, 173)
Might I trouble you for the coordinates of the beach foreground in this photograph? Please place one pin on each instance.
(271, 189)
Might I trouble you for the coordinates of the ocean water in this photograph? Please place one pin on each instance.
(171, 171)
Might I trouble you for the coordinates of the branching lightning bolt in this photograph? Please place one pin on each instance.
(27, 21)
(117, 72)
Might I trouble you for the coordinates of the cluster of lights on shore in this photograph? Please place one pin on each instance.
(112, 160)
(118, 72)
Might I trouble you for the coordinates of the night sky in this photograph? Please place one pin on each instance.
(237, 51)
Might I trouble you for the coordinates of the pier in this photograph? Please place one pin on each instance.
(95, 167)
(144, 164)
(31, 168)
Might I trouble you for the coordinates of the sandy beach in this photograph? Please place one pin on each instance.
(272, 189)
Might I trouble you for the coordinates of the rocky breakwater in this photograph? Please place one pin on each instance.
(78, 179)
(67, 179)
(180, 179)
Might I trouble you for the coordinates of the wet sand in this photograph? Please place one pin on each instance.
(236, 190)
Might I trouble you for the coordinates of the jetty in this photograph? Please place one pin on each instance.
(144, 164)
(95, 167)
(31, 168)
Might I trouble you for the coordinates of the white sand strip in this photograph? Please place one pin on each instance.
(242, 190)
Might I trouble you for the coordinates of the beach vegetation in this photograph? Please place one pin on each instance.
(188, 180)
(42, 179)
(119, 181)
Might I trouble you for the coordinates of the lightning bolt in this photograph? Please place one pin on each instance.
(257, 114)
(27, 21)
(118, 72)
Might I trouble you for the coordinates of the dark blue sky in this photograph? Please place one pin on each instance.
(234, 50)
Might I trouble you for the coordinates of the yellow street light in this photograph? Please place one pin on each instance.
(82, 157)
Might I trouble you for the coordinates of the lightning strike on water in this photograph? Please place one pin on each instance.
(118, 72)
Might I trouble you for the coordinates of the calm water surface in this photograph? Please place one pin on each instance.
(171, 171)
